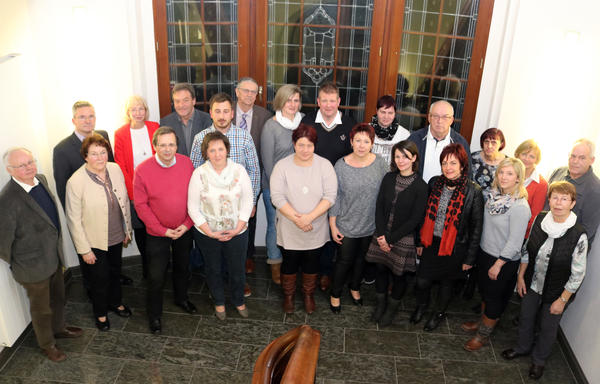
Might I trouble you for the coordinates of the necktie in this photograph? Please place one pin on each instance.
(243, 123)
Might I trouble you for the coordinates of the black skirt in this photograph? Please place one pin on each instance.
(435, 267)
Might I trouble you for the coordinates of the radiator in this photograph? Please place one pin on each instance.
(14, 307)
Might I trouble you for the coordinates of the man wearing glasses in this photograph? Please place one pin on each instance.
(186, 121)
(433, 139)
(252, 118)
(160, 190)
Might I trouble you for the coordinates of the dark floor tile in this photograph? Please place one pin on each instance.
(332, 338)
(248, 356)
(234, 330)
(360, 368)
(80, 368)
(81, 315)
(201, 353)
(259, 287)
(211, 376)
(21, 380)
(67, 345)
(401, 322)
(152, 372)
(381, 343)
(203, 303)
(297, 317)
(451, 348)
(467, 371)
(350, 317)
(178, 325)
(266, 310)
(24, 362)
(419, 371)
(126, 345)
(135, 297)
(76, 292)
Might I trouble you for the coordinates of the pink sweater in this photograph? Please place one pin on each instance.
(160, 194)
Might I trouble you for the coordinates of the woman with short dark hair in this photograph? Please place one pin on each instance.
(388, 130)
(303, 188)
(487, 159)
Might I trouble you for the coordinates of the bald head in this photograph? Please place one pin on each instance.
(441, 117)
(20, 164)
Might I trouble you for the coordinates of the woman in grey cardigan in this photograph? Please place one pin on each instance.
(505, 219)
(276, 143)
(352, 217)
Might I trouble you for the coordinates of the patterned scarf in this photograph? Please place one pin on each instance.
(453, 213)
(498, 203)
(384, 133)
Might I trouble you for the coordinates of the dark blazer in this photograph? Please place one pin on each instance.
(420, 139)
(259, 118)
(29, 241)
(200, 122)
(466, 245)
(66, 159)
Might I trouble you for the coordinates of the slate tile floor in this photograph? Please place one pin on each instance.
(200, 349)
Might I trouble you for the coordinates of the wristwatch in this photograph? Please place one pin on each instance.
(563, 299)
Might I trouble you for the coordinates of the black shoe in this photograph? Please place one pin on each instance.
(335, 309)
(126, 280)
(510, 354)
(187, 306)
(418, 313)
(155, 327)
(103, 325)
(357, 301)
(434, 321)
(125, 312)
(536, 371)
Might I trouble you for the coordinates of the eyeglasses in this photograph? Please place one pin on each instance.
(163, 146)
(24, 165)
(249, 91)
(562, 199)
(440, 117)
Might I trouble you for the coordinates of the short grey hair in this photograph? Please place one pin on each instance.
(591, 146)
(441, 102)
(246, 79)
(12, 150)
(81, 104)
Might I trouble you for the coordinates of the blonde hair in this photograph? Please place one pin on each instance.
(529, 145)
(283, 95)
(134, 100)
(520, 191)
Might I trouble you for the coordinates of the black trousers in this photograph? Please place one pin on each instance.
(139, 232)
(159, 251)
(105, 278)
(293, 260)
(496, 293)
(350, 260)
(251, 234)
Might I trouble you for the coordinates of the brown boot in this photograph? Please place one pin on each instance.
(288, 284)
(276, 273)
(482, 337)
(472, 326)
(309, 283)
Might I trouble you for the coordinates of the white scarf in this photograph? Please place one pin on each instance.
(554, 229)
(287, 123)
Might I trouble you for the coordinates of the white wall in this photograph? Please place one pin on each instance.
(541, 81)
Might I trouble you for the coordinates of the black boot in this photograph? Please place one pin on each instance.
(434, 321)
(418, 313)
(390, 312)
(379, 308)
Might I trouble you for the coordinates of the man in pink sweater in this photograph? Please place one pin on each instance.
(160, 189)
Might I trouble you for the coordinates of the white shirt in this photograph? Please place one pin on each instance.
(535, 176)
(25, 186)
(163, 164)
(238, 116)
(319, 120)
(433, 150)
(140, 143)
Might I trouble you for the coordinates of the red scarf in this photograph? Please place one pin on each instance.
(453, 213)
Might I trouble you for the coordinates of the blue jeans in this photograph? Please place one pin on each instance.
(273, 253)
(234, 253)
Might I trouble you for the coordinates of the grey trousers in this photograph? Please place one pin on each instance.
(531, 306)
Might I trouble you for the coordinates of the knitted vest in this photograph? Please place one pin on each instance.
(559, 265)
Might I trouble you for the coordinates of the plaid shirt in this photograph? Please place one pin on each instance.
(242, 151)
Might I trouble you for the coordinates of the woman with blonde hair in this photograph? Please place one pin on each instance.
(133, 144)
(505, 217)
(537, 187)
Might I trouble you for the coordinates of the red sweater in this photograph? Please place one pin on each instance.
(161, 194)
(124, 152)
(536, 199)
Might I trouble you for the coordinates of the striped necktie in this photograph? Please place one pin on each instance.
(243, 123)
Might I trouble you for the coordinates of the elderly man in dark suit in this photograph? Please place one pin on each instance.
(66, 157)
(252, 118)
(31, 243)
(187, 121)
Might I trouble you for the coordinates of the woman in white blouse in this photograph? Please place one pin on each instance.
(220, 204)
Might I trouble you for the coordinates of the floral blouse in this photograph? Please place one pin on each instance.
(482, 173)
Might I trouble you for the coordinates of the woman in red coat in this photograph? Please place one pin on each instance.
(133, 144)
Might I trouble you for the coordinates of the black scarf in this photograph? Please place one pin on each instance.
(384, 133)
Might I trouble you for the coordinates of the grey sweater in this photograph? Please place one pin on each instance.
(354, 206)
(275, 144)
(503, 234)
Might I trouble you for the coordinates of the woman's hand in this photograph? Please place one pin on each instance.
(383, 244)
(303, 221)
(419, 251)
(89, 258)
(231, 233)
(557, 307)
(127, 240)
(521, 286)
(335, 233)
(466, 267)
(494, 271)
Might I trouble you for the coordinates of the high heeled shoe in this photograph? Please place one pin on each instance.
(335, 308)
(103, 325)
(358, 301)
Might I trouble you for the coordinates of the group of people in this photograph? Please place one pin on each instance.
(340, 199)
